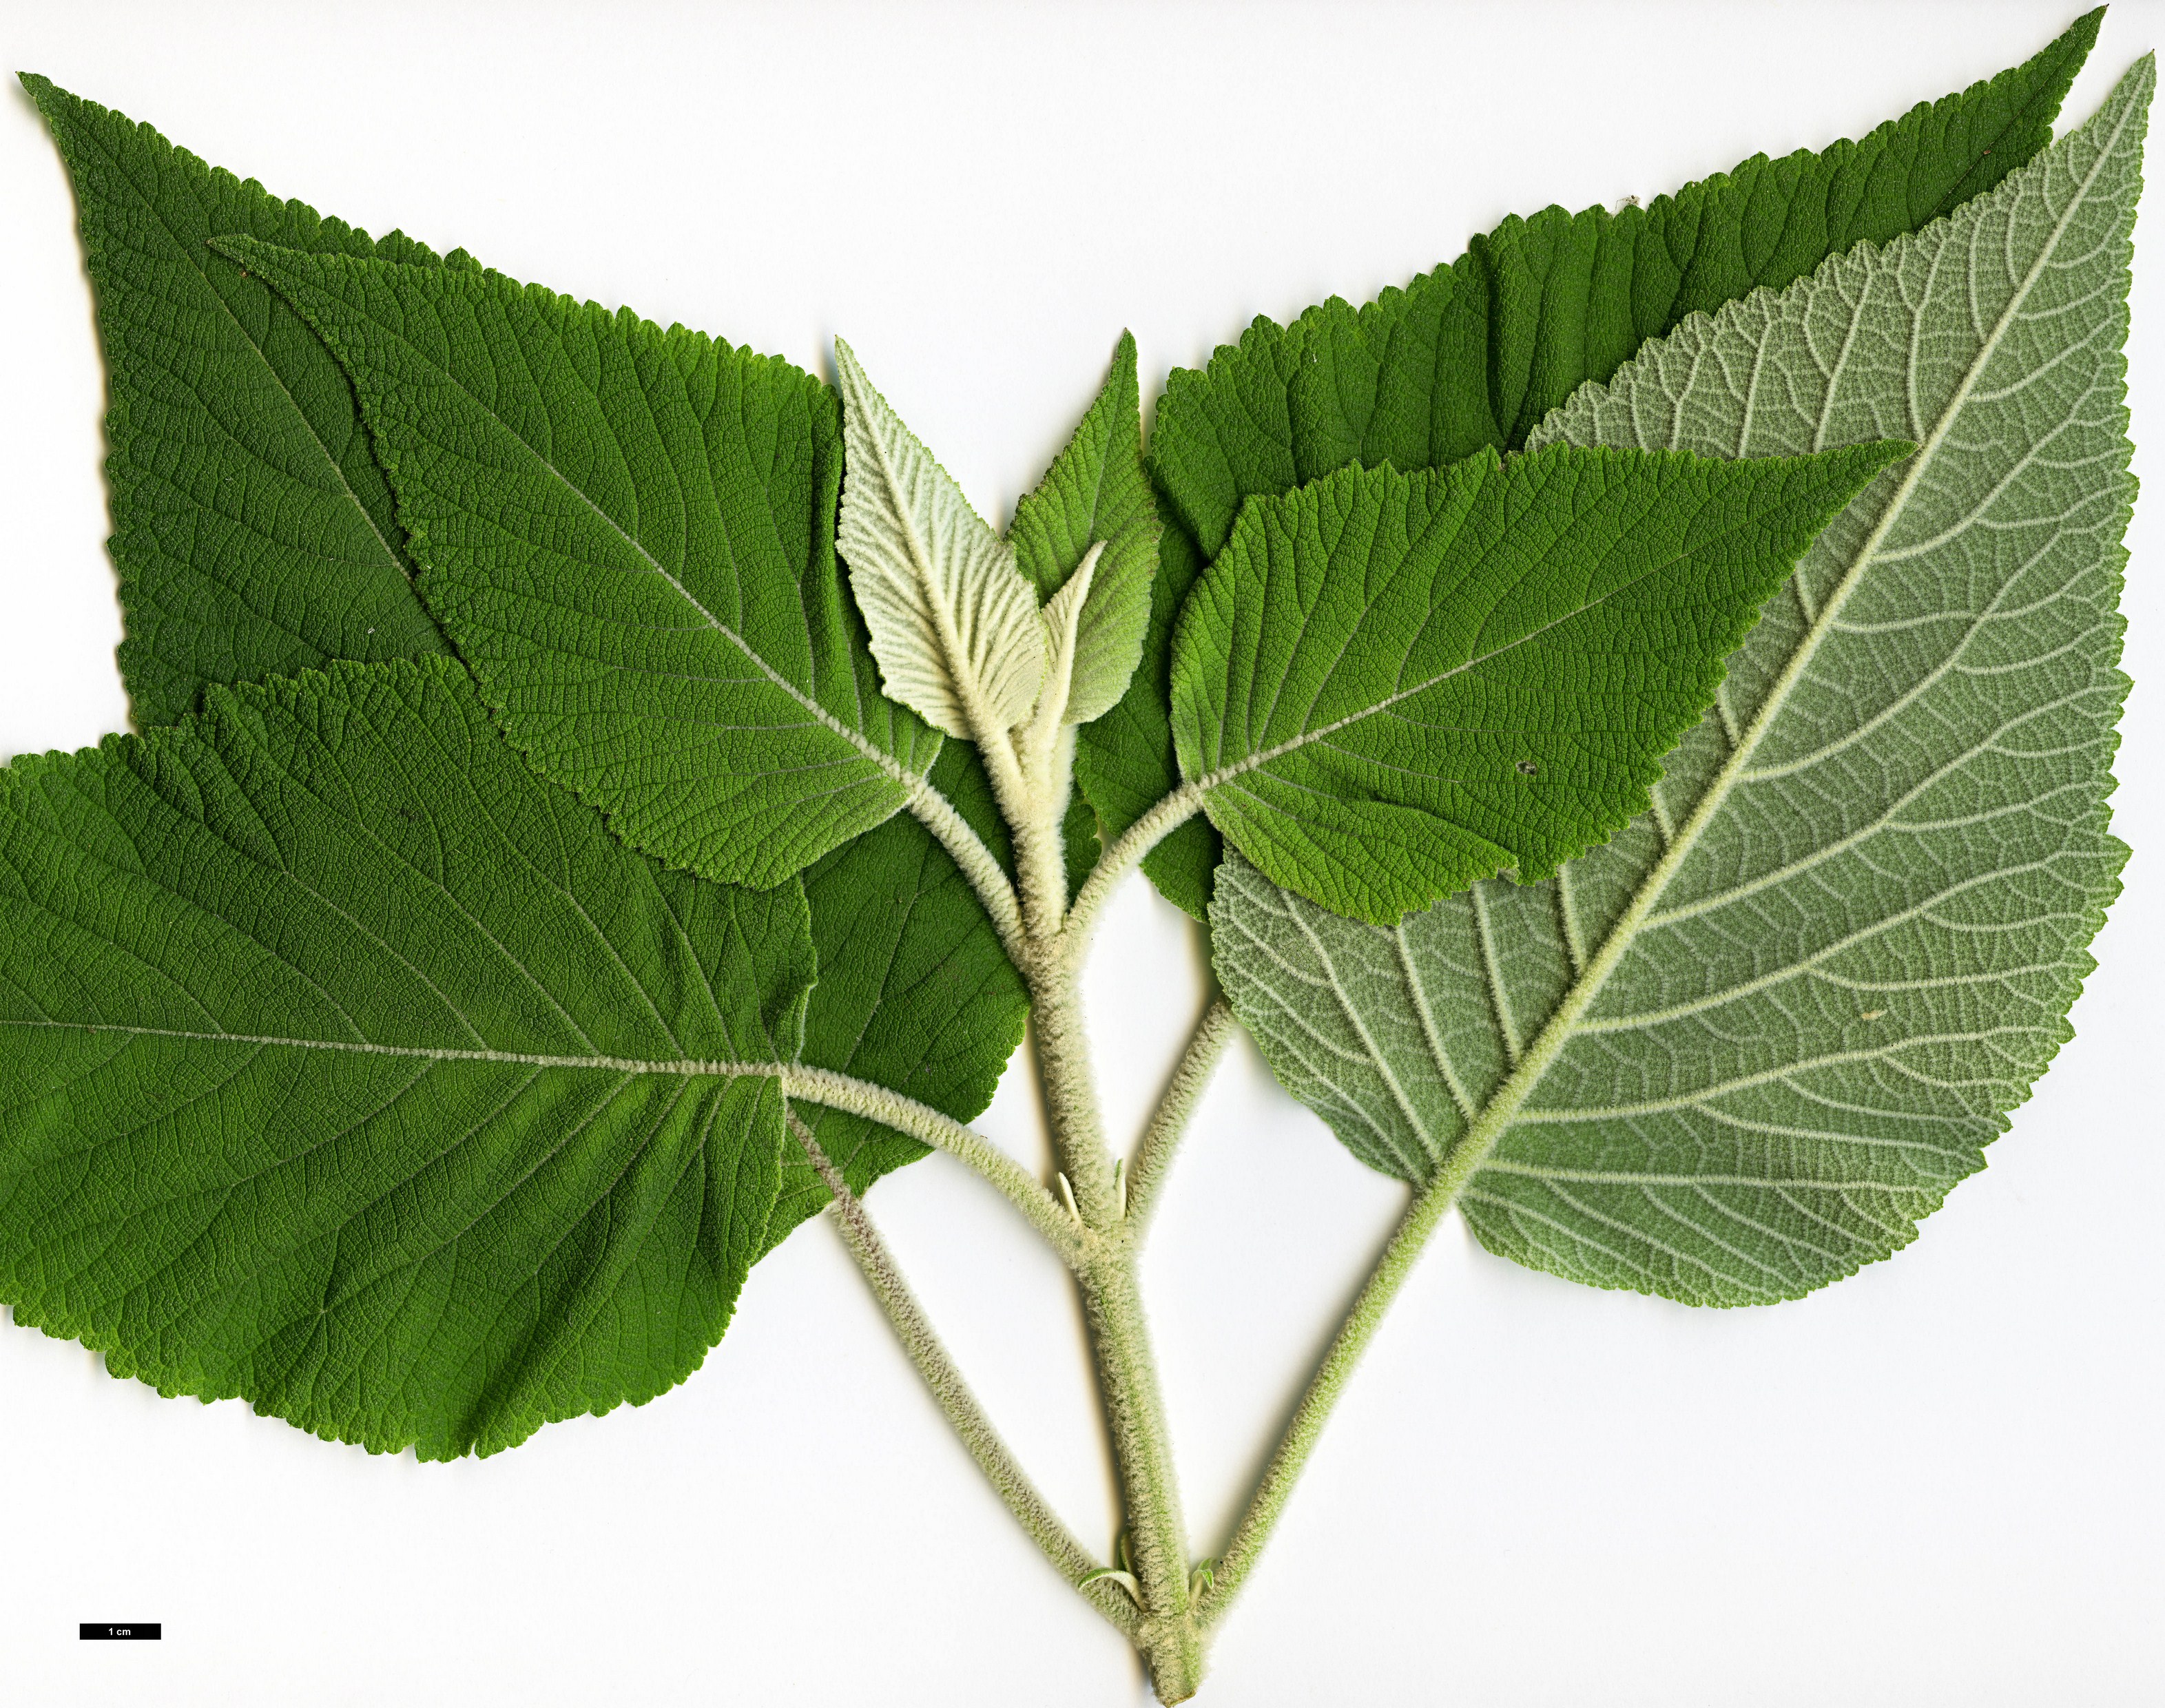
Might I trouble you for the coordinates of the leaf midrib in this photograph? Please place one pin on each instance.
(617, 1064)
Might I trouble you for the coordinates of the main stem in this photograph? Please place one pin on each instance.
(1169, 1637)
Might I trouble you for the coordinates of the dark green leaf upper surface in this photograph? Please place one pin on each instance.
(119, 166)
(629, 533)
(1476, 353)
(238, 444)
(253, 530)
(348, 1066)
(1389, 686)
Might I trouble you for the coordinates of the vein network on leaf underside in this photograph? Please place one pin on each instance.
(1888, 1052)
(1886, 821)
(1809, 967)
(1317, 1031)
(1639, 915)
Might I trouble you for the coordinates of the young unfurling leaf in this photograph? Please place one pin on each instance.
(954, 622)
(1095, 495)
(1063, 623)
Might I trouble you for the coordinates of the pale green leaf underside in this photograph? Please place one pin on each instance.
(954, 622)
(1097, 492)
(348, 1066)
(1742, 1049)
(1389, 685)
(628, 534)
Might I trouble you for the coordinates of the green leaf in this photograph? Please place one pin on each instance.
(1389, 685)
(629, 533)
(250, 587)
(954, 623)
(1745, 1047)
(352, 1068)
(1476, 353)
(252, 529)
(1095, 491)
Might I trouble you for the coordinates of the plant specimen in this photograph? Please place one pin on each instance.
(1633, 708)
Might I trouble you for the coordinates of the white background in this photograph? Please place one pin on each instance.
(1937, 1482)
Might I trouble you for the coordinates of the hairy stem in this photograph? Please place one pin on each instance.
(928, 1126)
(1070, 1098)
(1049, 953)
(1400, 1252)
(1161, 1138)
(1119, 1336)
(1126, 854)
(937, 814)
(1142, 1450)
(957, 1404)
(1041, 867)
